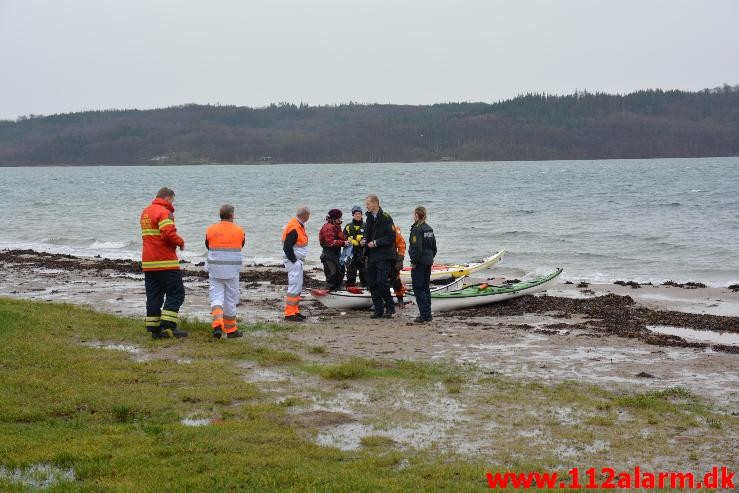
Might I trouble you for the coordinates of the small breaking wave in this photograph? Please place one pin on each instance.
(112, 245)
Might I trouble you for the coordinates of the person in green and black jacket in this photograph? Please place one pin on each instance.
(379, 241)
(354, 232)
(422, 250)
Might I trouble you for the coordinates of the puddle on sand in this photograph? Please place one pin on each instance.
(570, 450)
(444, 414)
(349, 436)
(726, 307)
(613, 366)
(692, 335)
(139, 354)
(343, 402)
(265, 375)
(37, 476)
(126, 348)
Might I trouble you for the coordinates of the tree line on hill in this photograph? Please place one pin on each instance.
(642, 124)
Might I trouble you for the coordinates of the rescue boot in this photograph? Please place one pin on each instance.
(300, 316)
(217, 333)
(292, 318)
(420, 320)
(168, 333)
(234, 335)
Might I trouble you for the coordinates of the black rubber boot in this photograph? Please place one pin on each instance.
(217, 333)
(169, 333)
(234, 335)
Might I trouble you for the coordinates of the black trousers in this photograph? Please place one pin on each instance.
(165, 294)
(357, 265)
(378, 276)
(421, 281)
(332, 270)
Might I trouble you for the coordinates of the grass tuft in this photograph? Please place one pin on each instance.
(377, 441)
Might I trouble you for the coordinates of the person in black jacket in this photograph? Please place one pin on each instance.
(421, 250)
(379, 241)
(354, 232)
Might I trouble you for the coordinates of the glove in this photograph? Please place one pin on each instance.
(399, 263)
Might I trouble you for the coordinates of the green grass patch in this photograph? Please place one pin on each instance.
(116, 421)
(357, 368)
(377, 441)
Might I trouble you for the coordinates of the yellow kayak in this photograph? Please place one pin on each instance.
(442, 271)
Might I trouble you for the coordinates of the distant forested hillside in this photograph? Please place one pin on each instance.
(643, 124)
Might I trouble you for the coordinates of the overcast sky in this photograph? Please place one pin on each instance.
(61, 56)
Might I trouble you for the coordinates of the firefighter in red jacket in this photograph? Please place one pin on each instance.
(162, 276)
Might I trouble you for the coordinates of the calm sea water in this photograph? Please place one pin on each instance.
(645, 220)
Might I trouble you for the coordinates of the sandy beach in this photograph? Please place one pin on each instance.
(620, 336)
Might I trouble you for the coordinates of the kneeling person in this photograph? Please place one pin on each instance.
(224, 241)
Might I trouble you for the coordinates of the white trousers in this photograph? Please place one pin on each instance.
(294, 277)
(224, 293)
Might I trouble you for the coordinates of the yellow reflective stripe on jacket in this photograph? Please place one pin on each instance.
(150, 232)
(160, 263)
(166, 222)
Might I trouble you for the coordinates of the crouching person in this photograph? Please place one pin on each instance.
(224, 241)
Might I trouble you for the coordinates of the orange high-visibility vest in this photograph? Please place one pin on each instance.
(399, 242)
(225, 234)
(295, 225)
(225, 240)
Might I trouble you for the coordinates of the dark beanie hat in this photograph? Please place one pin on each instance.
(334, 214)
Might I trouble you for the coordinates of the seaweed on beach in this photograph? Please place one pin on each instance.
(99, 265)
(687, 285)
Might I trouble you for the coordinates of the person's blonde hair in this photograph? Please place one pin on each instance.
(421, 213)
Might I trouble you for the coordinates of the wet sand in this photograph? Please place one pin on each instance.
(594, 333)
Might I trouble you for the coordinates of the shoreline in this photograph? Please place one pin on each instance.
(259, 262)
(600, 334)
(282, 163)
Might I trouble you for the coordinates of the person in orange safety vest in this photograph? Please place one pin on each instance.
(397, 284)
(224, 241)
(162, 276)
(295, 249)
